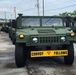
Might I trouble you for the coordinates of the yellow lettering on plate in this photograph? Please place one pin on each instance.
(49, 53)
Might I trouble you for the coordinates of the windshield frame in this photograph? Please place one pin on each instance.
(40, 20)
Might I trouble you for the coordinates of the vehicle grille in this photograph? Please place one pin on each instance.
(49, 39)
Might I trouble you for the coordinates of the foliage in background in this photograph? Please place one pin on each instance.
(68, 13)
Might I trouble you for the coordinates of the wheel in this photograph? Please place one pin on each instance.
(9, 35)
(13, 41)
(70, 58)
(20, 57)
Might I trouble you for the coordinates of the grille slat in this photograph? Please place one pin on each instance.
(49, 39)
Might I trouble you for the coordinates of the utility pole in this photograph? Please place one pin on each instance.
(11, 17)
(43, 7)
(38, 7)
(5, 18)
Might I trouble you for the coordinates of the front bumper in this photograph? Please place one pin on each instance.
(48, 53)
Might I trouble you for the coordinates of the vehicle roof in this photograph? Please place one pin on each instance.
(54, 16)
(43, 16)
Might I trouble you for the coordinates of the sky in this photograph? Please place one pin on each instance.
(29, 7)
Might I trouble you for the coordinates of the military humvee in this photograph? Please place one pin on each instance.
(36, 36)
(9, 25)
(70, 21)
(6, 27)
(73, 23)
(1, 26)
(12, 31)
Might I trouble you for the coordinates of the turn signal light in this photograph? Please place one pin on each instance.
(21, 36)
(72, 34)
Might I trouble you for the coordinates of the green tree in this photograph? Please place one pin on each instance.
(68, 13)
(64, 14)
(74, 12)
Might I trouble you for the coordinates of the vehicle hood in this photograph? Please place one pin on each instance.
(37, 31)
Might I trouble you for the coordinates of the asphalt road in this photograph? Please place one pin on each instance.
(39, 66)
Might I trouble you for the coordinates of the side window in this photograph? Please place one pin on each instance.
(17, 22)
(74, 23)
(64, 23)
(67, 22)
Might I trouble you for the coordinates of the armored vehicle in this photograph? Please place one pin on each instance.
(1, 25)
(6, 27)
(73, 23)
(70, 21)
(9, 26)
(12, 31)
(43, 36)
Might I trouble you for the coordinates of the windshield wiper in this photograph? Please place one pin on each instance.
(24, 19)
(48, 20)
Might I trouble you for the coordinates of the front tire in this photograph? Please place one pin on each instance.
(70, 58)
(20, 58)
(9, 35)
(14, 40)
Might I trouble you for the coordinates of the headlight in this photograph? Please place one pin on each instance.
(71, 30)
(34, 40)
(62, 39)
(21, 36)
(72, 34)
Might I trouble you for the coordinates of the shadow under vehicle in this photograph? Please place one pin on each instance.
(37, 35)
(12, 31)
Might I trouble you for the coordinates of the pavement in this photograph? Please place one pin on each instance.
(7, 62)
(37, 66)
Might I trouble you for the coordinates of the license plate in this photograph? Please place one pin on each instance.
(49, 53)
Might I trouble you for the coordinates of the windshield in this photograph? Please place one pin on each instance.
(52, 22)
(26, 22)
